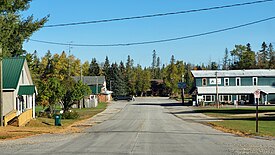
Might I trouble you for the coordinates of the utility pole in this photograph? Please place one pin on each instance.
(1, 90)
(182, 90)
(70, 58)
(217, 93)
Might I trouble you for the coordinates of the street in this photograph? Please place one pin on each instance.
(145, 126)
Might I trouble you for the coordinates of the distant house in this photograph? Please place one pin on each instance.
(234, 85)
(18, 92)
(98, 86)
(96, 83)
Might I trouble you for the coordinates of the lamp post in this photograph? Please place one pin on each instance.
(182, 90)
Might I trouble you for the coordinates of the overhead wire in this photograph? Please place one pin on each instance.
(156, 15)
(157, 41)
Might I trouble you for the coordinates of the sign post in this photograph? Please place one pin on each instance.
(257, 94)
(182, 85)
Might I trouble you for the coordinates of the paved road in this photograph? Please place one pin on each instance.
(145, 126)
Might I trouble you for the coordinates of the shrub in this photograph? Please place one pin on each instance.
(70, 115)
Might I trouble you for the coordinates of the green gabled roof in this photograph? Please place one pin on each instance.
(26, 90)
(12, 68)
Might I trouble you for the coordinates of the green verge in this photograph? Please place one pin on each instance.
(84, 113)
(242, 119)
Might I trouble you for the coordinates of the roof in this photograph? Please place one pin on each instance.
(26, 90)
(91, 80)
(236, 90)
(234, 73)
(12, 68)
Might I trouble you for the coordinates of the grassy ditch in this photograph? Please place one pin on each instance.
(242, 120)
(46, 125)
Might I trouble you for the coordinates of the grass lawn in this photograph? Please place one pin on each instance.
(242, 119)
(46, 125)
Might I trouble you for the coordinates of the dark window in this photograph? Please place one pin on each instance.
(204, 81)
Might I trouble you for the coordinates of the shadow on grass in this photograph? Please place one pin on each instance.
(162, 104)
(233, 111)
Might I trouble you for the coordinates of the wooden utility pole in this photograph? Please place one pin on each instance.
(217, 93)
(1, 91)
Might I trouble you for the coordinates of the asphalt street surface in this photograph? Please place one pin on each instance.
(146, 126)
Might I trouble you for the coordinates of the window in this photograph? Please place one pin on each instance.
(208, 98)
(204, 82)
(238, 81)
(255, 81)
(226, 81)
(226, 98)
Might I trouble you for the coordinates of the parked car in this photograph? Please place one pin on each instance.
(123, 97)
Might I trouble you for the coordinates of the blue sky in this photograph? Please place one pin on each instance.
(194, 50)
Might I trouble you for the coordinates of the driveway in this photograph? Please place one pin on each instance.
(146, 126)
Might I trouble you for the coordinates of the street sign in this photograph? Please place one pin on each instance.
(181, 85)
(257, 93)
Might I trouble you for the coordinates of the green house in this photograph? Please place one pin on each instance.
(18, 91)
(234, 86)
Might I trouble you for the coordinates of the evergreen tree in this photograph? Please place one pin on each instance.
(154, 64)
(94, 69)
(244, 57)
(263, 60)
(225, 65)
(271, 53)
(130, 76)
(106, 71)
(158, 70)
(14, 28)
(118, 85)
(189, 80)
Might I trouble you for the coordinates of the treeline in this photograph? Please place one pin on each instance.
(244, 57)
(52, 75)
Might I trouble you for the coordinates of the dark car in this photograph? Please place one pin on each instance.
(123, 97)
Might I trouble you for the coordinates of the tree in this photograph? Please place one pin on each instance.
(130, 76)
(225, 65)
(158, 70)
(94, 69)
(263, 59)
(50, 92)
(74, 92)
(118, 84)
(171, 77)
(214, 66)
(85, 68)
(106, 72)
(146, 81)
(271, 53)
(244, 57)
(14, 28)
(154, 64)
(189, 80)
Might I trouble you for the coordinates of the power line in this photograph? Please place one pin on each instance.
(156, 15)
(157, 41)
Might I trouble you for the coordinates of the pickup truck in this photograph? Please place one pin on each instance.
(123, 97)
